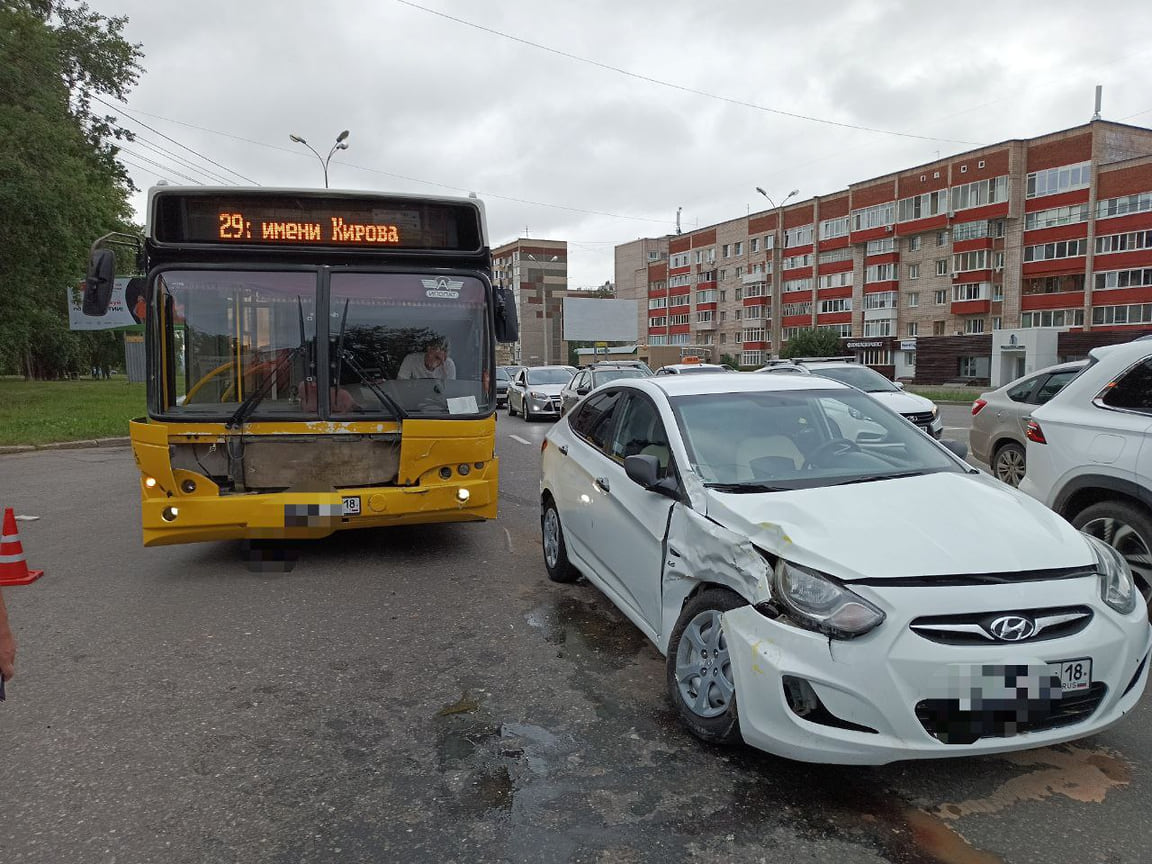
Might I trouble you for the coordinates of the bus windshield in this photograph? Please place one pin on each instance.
(397, 344)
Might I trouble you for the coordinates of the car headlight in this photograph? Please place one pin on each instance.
(535, 394)
(1117, 588)
(821, 604)
(935, 411)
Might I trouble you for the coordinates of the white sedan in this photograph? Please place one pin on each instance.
(862, 599)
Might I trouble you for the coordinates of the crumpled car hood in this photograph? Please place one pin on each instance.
(936, 524)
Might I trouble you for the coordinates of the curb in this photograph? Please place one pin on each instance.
(65, 445)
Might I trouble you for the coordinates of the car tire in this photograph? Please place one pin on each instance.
(705, 702)
(1009, 463)
(528, 418)
(552, 542)
(511, 410)
(1126, 527)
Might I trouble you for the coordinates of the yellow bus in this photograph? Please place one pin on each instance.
(317, 361)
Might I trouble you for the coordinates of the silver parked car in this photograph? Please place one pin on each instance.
(1000, 418)
(535, 391)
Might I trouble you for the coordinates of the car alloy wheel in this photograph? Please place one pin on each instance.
(552, 539)
(1009, 464)
(1127, 530)
(703, 668)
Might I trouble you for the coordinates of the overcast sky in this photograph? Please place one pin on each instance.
(441, 107)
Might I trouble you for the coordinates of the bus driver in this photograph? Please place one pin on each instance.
(432, 362)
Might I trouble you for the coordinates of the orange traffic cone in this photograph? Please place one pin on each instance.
(13, 568)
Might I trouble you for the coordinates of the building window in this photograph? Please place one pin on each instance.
(790, 285)
(802, 308)
(723, 338)
(840, 304)
(874, 217)
(661, 321)
(876, 357)
(830, 228)
(769, 242)
(880, 273)
(997, 293)
(723, 294)
(880, 247)
(996, 323)
(832, 255)
(791, 263)
(878, 328)
(753, 334)
(752, 358)
(1054, 284)
(844, 331)
(971, 230)
(738, 249)
(974, 260)
(914, 243)
(880, 300)
(738, 314)
(942, 267)
(938, 328)
(705, 317)
(754, 244)
(677, 319)
(910, 359)
(979, 193)
(1056, 318)
(969, 291)
(1054, 216)
(1122, 242)
(657, 340)
(707, 296)
(740, 293)
(1062, 249)
(1141, 202)
(799, 236)
(836, 280)
(657, 302)
(913, 299)
(1123, 279)
(1139, 313)
(1060, 179)
(973, 326)
(911, 328)
(975, 367)
(756, 289)
(942, 297)
(922, 206)
(739, 272)
(913, 271)
(941, 238)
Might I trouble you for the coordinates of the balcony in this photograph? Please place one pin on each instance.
(884, 313)
(753, 278)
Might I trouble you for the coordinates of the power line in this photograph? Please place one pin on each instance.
(673, 86)
(174, 141)
(167, 168)
(180, 160)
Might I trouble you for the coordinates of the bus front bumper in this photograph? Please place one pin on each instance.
(311, 515)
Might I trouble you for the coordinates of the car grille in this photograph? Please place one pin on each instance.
(922, 418)
(975, 628)
(944, 721)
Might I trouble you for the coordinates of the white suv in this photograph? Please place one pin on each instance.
(1090, 457)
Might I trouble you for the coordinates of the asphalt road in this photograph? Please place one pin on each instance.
(427, 695)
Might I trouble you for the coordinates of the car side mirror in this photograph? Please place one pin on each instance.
(644, 470)
(505, 323)
(99, 282)
(960, 450)
(582, 391)
(899, 385)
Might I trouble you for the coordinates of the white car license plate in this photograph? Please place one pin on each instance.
(1075, 674)
(350, 505)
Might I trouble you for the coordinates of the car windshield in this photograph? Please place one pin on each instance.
(800, 439)
(868, 380)
(549, 376)
(600, 376)
(502, 374)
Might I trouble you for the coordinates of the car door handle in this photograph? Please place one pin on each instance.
(602, 483)
(563, 448)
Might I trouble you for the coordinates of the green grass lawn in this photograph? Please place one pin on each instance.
(946, 394)
(40, 412)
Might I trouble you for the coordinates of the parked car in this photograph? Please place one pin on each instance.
(783, 369)
(1090, 453)
(503, 380)
(920, 411)
(1000, 418)
(587, 380)
(691, 368)
(535, 391)
(631, 364)
(725, 517)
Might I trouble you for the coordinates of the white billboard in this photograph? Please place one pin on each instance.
(594, 320)
(122, 311)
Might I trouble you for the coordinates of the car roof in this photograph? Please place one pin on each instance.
(692, 366)
(1055, 367)
(687, 385)
(1130, 351)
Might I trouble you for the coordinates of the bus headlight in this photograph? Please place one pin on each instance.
(462, 495)
(169, 514)
(150, 482)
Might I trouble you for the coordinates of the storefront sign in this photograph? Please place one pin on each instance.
(867, 343)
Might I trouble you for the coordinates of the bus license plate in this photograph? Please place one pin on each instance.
(1075, 674)
(350, 505)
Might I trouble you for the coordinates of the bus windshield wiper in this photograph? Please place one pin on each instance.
(385, 399)
(748, 486)
(249, 405)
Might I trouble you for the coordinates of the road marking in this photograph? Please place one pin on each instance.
(521, 440)
(508, 535)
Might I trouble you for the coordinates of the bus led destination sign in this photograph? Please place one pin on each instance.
(236, 226)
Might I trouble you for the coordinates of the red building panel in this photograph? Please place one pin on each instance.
(1122, 260)
(1122, 296)
(1061, 199)
(679, 244)
(919, 226)
(1062, 300)
(679, 271)
(1061, 150)
(764, 223)
(872, 234)
(876, 193)
(755, 301)
(657, 331)
(833, 207)
(834, 318)
(657, 272)
(796, 320)
(1057, 232)
(658, 292)
(705, 285)
(797, 272)
(973, 276)
(756, 346)
(1124, 181)
(801, 214)
(910, 184)
(834, 243)
(801, 296)
(970, 307)
(974, 243)
(1056, 267)
(1123, 224)
(886, 258)
(834, 267)
(995, 163)
(988, 211)
(680, 328)
(702, 307)
(707, 237)
(834, 293)
(886, 285)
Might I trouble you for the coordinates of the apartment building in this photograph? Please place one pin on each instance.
(537, 272)
(977, 267)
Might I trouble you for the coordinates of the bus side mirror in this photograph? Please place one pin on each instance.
(506, 323)
(99, 282)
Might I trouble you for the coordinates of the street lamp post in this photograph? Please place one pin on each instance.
(777, 260)
(340, 144)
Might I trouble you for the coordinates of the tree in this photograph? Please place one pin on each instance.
(812, 342)
(60, 184)
(730, 360)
